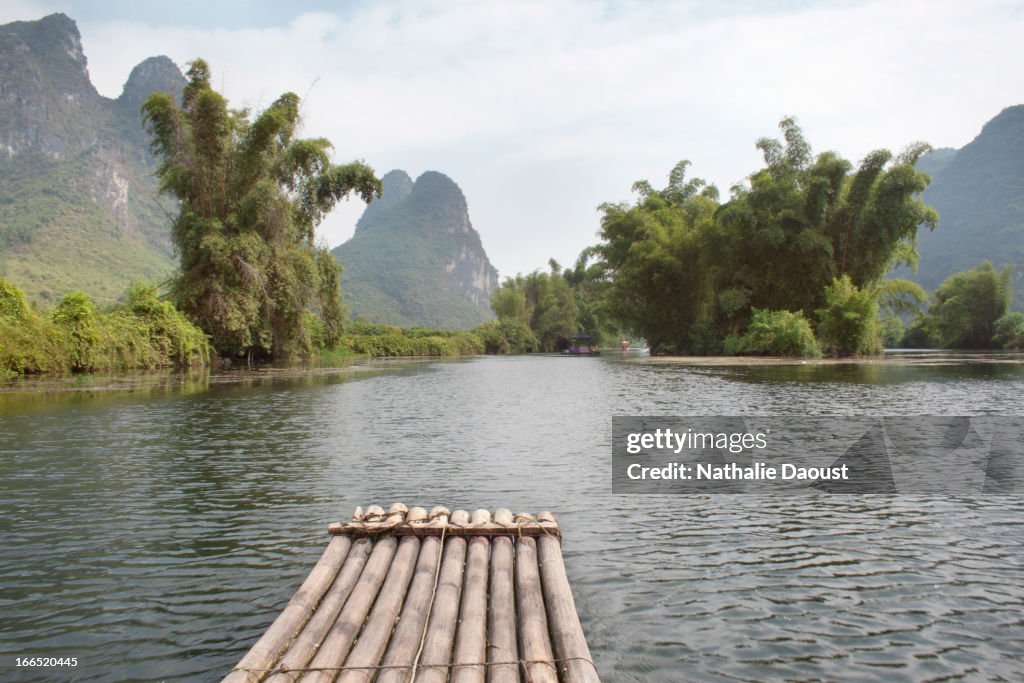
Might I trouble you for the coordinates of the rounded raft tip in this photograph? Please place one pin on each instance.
(524, 518)
(397, 508)
(439, 511)
(480, 517)
(374, 513)
(416, 514)
(358, 514)
(460, 517)
(503, 516)
(546, 517)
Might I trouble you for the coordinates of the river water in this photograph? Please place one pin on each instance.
(153, 531)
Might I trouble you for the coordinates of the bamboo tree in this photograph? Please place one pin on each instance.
(251, 194)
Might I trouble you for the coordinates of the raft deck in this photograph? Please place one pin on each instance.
(406, 595)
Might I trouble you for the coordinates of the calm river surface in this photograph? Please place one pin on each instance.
(155, 533)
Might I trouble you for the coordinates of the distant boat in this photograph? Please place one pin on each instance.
(582, 345)
(627, 347)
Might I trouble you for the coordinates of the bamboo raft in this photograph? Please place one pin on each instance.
(406, 595)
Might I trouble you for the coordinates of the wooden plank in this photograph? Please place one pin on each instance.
(534, 643)
(305, 646)
(405, 642)
(437, 648)
(501, 622)
(471, 639)
(570, 646)
(377, 630)
(275, 641)
(339, 640)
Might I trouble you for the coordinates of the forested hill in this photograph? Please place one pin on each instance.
(979, 194)
(415, 258)
(78, 206)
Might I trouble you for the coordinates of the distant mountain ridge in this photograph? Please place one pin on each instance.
(78, 199)
(415, 258)
(979, 193)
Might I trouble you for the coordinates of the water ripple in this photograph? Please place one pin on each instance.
(156, 536)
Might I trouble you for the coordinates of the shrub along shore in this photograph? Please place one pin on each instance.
(141, 332)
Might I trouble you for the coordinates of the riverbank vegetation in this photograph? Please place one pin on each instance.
(140, 332)
(809, 236)
(386, 341)
(543, 310)
(794, 263)
(971, 310)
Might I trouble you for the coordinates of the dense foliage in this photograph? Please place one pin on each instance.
(971, 311)
(382, 341)
(1009, 331)
(809, 235)
(142, 332)
(775, 333)
(848, 323)
(543, 311)
(653, 252)
(250, 195)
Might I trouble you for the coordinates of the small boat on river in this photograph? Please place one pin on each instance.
(407, 595)
(582, 344)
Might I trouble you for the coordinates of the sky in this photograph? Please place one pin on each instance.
(541, 110)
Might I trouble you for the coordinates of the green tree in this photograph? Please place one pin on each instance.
(13, 304)
(848, 323)
(250, 195)
(968, 304)
(1009, 331)
(653, 257)
(552, 307)
(589, 281)
(536, 312)
(803, 222)
(75, 316)
(688, 273)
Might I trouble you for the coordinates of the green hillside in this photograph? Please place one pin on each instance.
(979, 194)
(415, 258)
(78, 200)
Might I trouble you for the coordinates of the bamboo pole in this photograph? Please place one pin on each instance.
(269, 648)
(563, 622)
(437, 647)
(471, 640)
(336, 645)
(381, 622)
(306, 645)
(501, 621)
(376, 632)
(534, 643)
(409, 631)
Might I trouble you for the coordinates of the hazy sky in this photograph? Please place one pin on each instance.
(542, 110)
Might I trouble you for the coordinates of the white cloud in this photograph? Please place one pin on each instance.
(542, 110)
